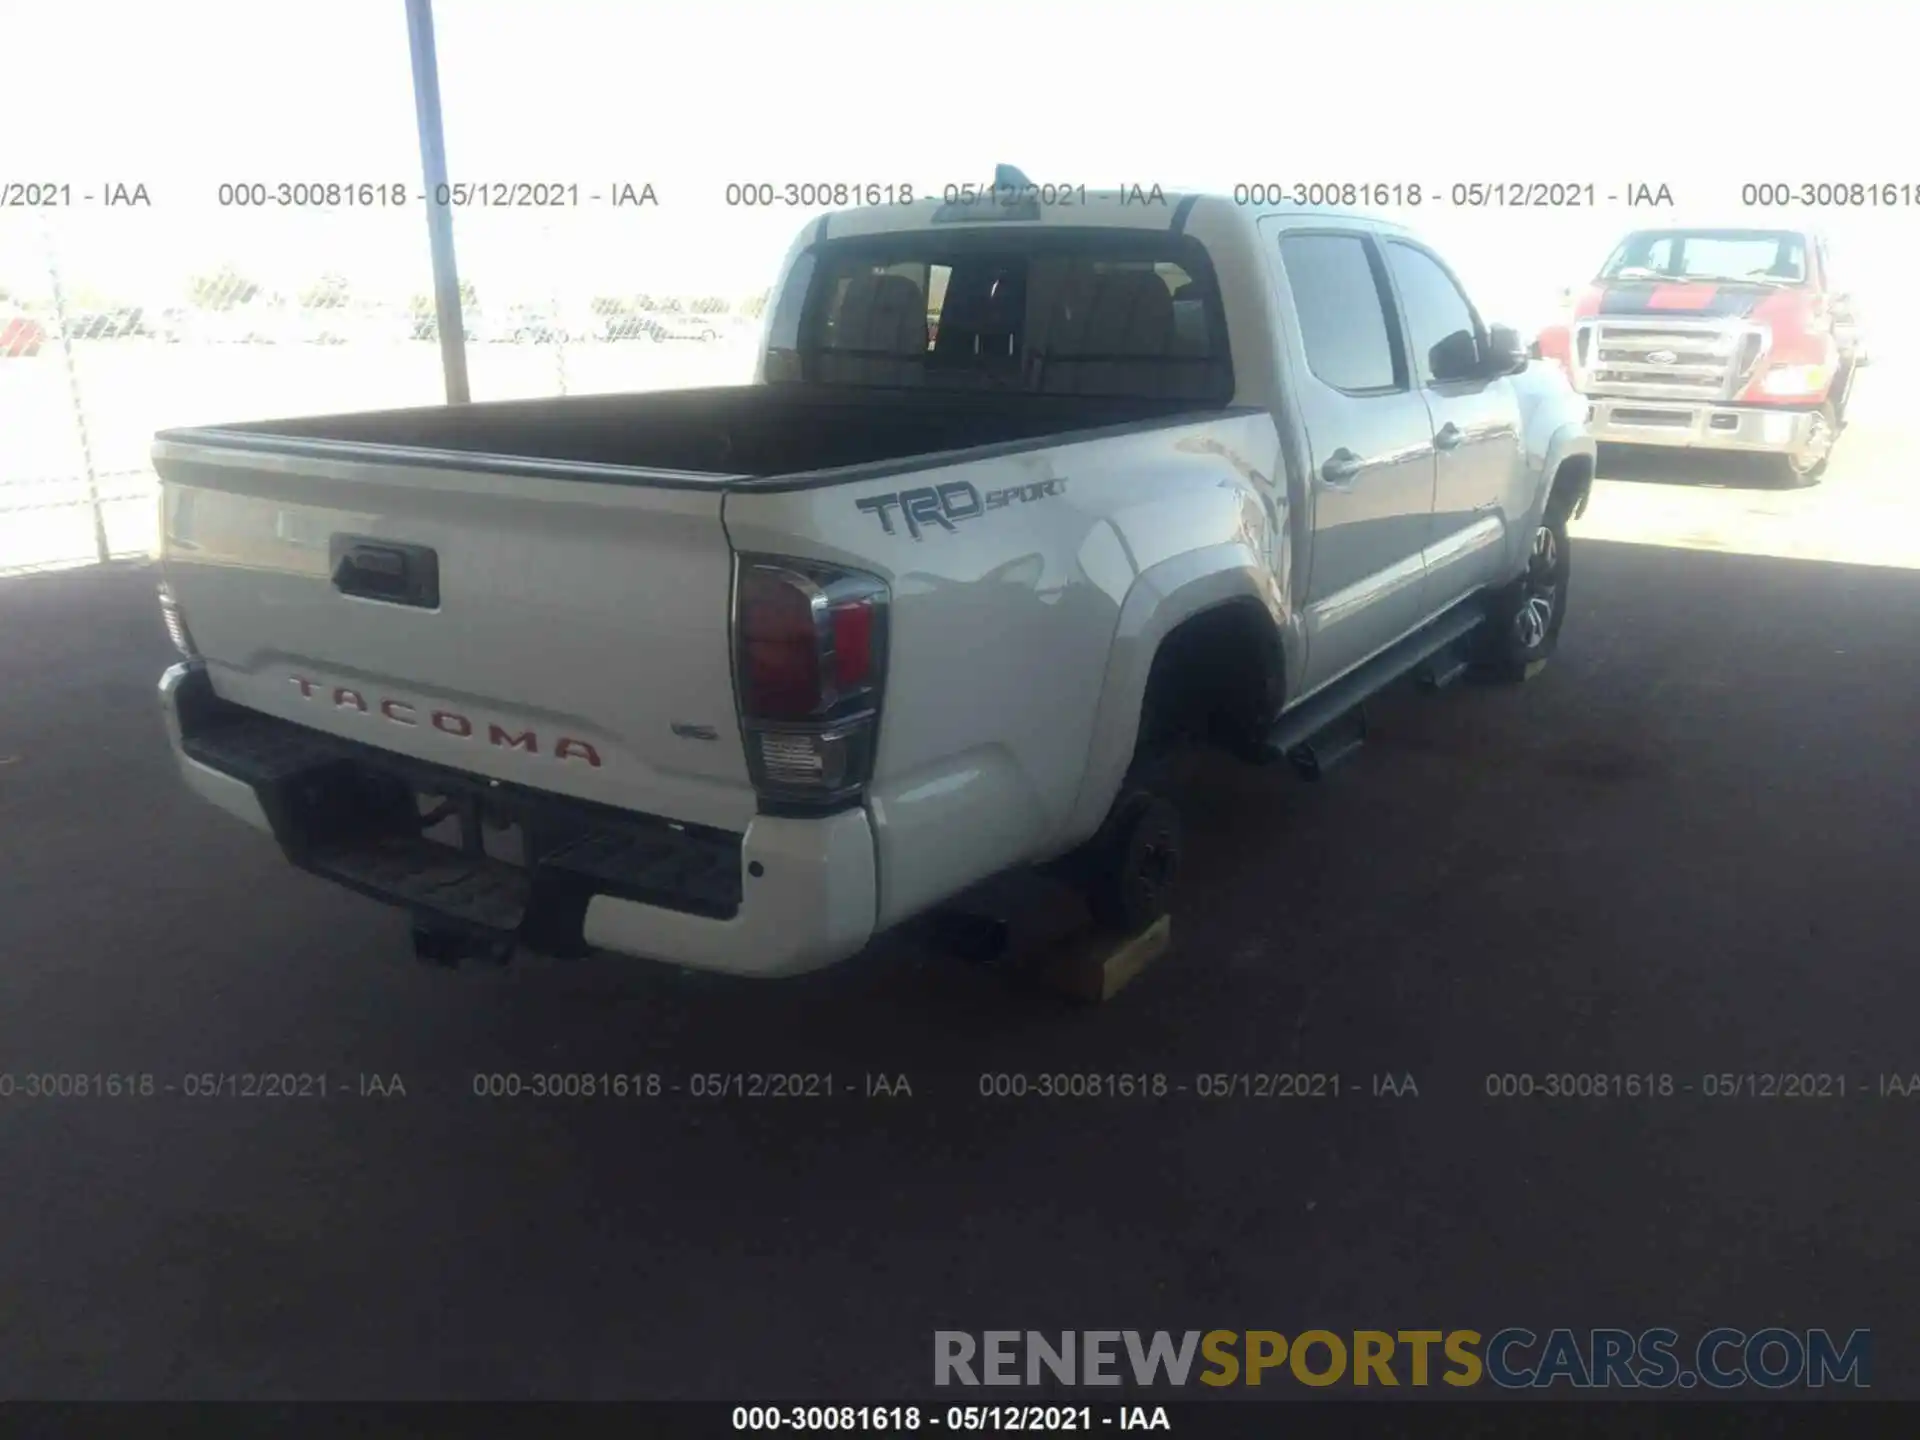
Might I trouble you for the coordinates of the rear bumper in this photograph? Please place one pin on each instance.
(785, 897)
(1614, 420)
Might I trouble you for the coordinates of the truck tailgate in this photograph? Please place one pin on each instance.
(563, 633)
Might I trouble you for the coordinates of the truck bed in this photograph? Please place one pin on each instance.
(451, 585)
(737, 431)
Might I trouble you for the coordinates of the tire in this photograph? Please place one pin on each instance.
(1790, 472)
(1524, 618)
(1133, 865)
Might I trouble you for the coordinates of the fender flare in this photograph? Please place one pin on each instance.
(1569, 442)
(1160, 599)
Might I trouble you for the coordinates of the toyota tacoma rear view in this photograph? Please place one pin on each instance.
(740, 678)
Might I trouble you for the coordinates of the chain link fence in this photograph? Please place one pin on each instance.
(97, 353)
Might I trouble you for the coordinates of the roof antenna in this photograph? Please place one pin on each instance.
(1006, 177)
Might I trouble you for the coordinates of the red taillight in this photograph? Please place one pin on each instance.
(852, 622)
(810, 656)
(780, 671)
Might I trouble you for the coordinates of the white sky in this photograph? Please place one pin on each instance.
(693, 93)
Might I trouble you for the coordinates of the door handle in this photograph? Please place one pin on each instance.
(1341, 466)
(385, 570)
(1447, 437)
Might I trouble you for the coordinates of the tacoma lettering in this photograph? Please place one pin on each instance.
(496, 735)
(447, 722)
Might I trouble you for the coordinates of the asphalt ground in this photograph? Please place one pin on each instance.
(1687, 849)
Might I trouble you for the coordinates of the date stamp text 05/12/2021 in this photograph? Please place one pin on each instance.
(1834, 1087)
(560, 192)
(321, 193)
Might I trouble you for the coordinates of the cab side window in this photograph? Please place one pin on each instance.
(1343, 312)
(1448, 343)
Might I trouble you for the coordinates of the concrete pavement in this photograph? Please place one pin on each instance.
(1684, 850)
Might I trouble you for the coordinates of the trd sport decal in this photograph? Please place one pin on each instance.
(947, 505)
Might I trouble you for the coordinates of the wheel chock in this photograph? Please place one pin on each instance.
(1096, 965)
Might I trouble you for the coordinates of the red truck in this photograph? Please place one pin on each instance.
(20, 335)
(1723, 339)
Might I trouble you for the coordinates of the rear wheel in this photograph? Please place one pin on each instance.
(1132, 865)
(1524, 620)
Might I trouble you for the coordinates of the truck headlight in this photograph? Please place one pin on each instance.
(1795, 380)
(176, 622)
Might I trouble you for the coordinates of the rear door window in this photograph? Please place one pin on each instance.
(1343, 313)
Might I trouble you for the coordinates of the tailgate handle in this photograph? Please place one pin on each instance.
(386, 570)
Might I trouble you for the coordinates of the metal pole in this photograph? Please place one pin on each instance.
(433, 163)
(100, 546)
(562, 314)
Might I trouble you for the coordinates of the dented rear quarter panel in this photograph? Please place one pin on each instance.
(1009, 673)
(1022, 639)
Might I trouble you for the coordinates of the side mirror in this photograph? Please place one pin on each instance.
(1457, 358)
(1507, 353)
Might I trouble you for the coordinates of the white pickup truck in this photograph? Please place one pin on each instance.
(1024, 493)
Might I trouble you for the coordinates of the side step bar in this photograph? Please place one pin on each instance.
(1330, 725)
(1440, 671)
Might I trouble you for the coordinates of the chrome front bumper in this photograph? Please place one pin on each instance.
(1615, 420)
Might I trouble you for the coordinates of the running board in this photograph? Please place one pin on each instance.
(1327, 747)
(1331, 725)
(1441, 670)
